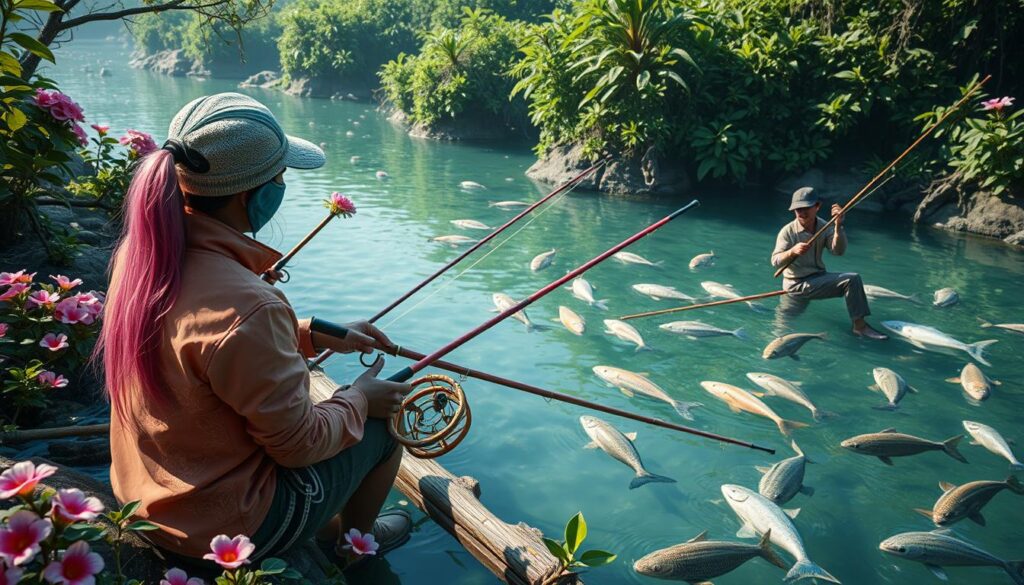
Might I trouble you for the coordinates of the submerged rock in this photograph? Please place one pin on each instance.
(649, 174)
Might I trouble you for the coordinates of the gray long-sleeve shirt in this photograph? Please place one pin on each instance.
(811, 262)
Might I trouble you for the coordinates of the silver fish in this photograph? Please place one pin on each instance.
(930, 338)
(939, 548)
(785, 479)
(542, 260)
(631, 382)
(696, 329)
(967, 500)
(470, 224)
(974, 382)
(699, 559)
(990, 439)
(454, 241)
(788, 345)
(620, 446)
(892, 385)
(726, 291)
(658, 292)
(470, 185)
(945, 297)
(625, 332)
(776, 386)
(887, 444)
(739, 400)
(1015, 327)
(571, 320)
(582, 290)
(702, 260)
(504, 302)
(761, 516)
(876, 292)
(631, 258)
(508, 204)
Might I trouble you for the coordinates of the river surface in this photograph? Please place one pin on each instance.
(528, 453)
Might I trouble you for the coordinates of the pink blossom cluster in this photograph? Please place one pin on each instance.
(997, 104)
(82, 308)
(63, 109)
(139, 142)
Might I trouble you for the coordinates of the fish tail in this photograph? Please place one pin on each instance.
(985, 324)
(949, 446)
(601, 304)
(1016, 466)
(683, 408)
(788, 426)
(741, 333)
(768, 553)
(1016, 571)
(977, 350)
(807, 569)
(820, 415)
(914, 299)
(646, 477)
(1015, 485)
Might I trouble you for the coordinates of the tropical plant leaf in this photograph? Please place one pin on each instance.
(575, 532)
(597, 558)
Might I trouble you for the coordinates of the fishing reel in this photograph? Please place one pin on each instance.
(433, 419)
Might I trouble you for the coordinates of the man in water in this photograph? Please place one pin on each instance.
(806, 279)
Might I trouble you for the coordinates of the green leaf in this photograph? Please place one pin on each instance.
(575, 532)
(273, 566)
(142, 526)
(8, 64)
(643, 79)
(555, 548)
(85, 532)
(39, 5)
(129, 509)
(15, 119)
(597, 558)
(33, 46)
(291, 574)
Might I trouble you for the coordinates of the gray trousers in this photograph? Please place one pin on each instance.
(826, 285)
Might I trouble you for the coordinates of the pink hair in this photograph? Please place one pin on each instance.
(145, 277)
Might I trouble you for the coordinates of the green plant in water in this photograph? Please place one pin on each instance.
(568, 551)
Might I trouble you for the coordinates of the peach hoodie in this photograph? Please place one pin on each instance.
(232, 361)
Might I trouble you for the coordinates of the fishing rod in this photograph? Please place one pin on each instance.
(336, 205)
(860, 196)
(766, 295)
(571, 183)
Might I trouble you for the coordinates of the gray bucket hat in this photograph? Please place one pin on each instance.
(803, 197)
(242, 142)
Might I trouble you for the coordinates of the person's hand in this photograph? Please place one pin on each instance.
(383, 397)
(362, 337)
(273, 276)
(800, 249)
(837, 212)
(367, 329)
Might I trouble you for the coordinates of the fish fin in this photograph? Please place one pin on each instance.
(768, 553)
(592, 445)
(788, 426)
(700, 583)
(955, 380)
(949, 446)
(912, 389)
(797, 384)
(926, 513)
(1014, 484)
(646, 478)
(937, 571)
(758, 394)
(792, 512)
(601, 304)
(683, 408)
(822, 335)
(886, 460)
(733, 407)
(807, 490)
(1016, 571)
(977, 350)
(887, 406)
(659, 263)
(806, 569)
(997, 382)
(945, 486)
(874, 388)
(741, 334)
(628, 393)
(796, 449)
(691, 337)
(984, 324)
(609, 332)
(977, 518)
(746, 531)
(699, 538)
(794, 357)
(630, 436)
(762, 469)
(888, 430)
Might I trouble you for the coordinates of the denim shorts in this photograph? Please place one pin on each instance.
(306, 498)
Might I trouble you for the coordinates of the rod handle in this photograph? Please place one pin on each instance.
(402, 375)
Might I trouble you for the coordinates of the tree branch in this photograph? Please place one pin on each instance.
(172, 5)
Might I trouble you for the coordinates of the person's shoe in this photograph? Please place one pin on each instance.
(869, 332)
(391, 530)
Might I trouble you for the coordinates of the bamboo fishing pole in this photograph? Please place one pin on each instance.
(560, 189)
(766, 295)
(862, 194)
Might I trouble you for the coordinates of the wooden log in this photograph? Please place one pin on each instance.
(514, 553)
(22, 436)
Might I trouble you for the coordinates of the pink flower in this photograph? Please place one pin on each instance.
(19, 540)
(360, 544)
(46, 99)
(68, 311)
(51, 379)
(15, 290)
(139, 142)
(100, 129)
(77, 566)
(9, 576)
(83, 138)
(54, 342)
(22, 478)
(176, 576)
(3, 330)
(66, 283)
(997, 104)
(340, 205)
(15, 277)
(72, 505)
(41, 298)
(230, 553)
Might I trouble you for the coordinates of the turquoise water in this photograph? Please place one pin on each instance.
(527, 452)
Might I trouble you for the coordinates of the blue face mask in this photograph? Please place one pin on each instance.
(264, 203)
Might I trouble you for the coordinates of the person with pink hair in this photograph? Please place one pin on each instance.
(213, 429)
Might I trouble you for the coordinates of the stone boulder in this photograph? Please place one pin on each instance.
(629, 176)
(948, 205)
(265, 79)
(171, 62)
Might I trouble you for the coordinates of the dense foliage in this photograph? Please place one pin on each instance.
(219, 47)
